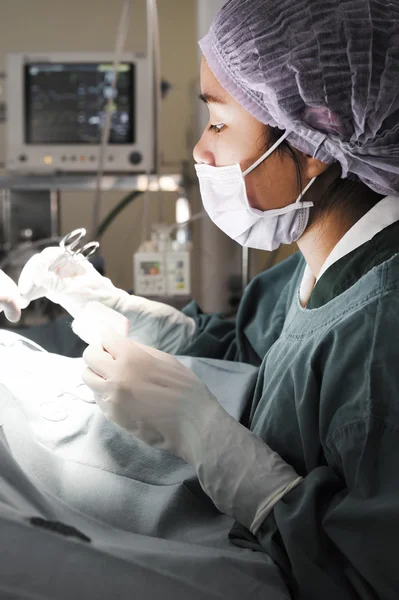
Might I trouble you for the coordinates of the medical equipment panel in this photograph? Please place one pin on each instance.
(162, 273)
(57, 106)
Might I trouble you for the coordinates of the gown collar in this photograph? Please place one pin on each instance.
(383, 214)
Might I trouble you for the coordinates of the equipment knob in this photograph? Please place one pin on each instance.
(135, 158)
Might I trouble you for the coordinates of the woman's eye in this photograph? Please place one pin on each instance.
(216, 128)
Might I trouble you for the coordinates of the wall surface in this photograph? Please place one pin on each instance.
(91, 25)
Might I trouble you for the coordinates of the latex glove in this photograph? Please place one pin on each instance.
(77, 282)
(10, 299)
(154, 397)
(72, 285)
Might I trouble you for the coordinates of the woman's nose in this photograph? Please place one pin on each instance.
(202, 155)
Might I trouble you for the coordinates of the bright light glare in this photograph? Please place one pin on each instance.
(168, 184)
(165, 183)
(142, 183)
(183, 212)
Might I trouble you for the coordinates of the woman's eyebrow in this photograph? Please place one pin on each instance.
(210, 98)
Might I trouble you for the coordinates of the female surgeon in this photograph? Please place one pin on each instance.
(302, 146)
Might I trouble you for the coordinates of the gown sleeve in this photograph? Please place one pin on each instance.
(340, 530)
(260, 317)
(215, 335)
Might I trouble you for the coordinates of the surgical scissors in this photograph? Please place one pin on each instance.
(71, 245)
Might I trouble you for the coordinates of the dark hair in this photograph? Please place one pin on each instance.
(339, 193)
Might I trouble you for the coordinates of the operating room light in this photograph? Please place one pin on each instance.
(164, 183)
(183, 212)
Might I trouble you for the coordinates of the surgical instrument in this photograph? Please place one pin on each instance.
(71, 244)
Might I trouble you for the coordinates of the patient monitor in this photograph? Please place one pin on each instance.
(57, 109)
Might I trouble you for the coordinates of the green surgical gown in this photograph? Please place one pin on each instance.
(327, 400)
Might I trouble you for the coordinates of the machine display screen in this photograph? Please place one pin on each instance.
(65, 103)
(150, 268)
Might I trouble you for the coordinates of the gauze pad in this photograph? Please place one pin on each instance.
(94, 319)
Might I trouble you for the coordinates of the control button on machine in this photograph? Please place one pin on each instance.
(135, 158)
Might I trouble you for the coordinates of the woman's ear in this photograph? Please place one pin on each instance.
(313, 167)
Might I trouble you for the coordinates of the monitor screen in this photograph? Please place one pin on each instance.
(65, 103)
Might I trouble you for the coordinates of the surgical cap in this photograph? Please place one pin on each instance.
(325, 70)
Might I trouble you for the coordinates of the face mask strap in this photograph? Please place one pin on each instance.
(266, 154)
(299, 203)
(301, 195)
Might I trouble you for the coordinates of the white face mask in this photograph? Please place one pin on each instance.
(225, 199)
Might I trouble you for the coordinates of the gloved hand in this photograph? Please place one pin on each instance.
(76, 282)
(10, 299)
(72, 285)
(154, 397)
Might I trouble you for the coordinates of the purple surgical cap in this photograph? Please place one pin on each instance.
(325, 70)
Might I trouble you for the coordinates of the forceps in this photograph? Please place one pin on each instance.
(71, 243)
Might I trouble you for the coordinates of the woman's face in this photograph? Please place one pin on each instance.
(232, 135)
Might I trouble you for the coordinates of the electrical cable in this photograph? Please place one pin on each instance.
(154, 66)
(111, 216)
(195, 217)
(126, 200)
(119, 46)
(154, 61)
(154, 58)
